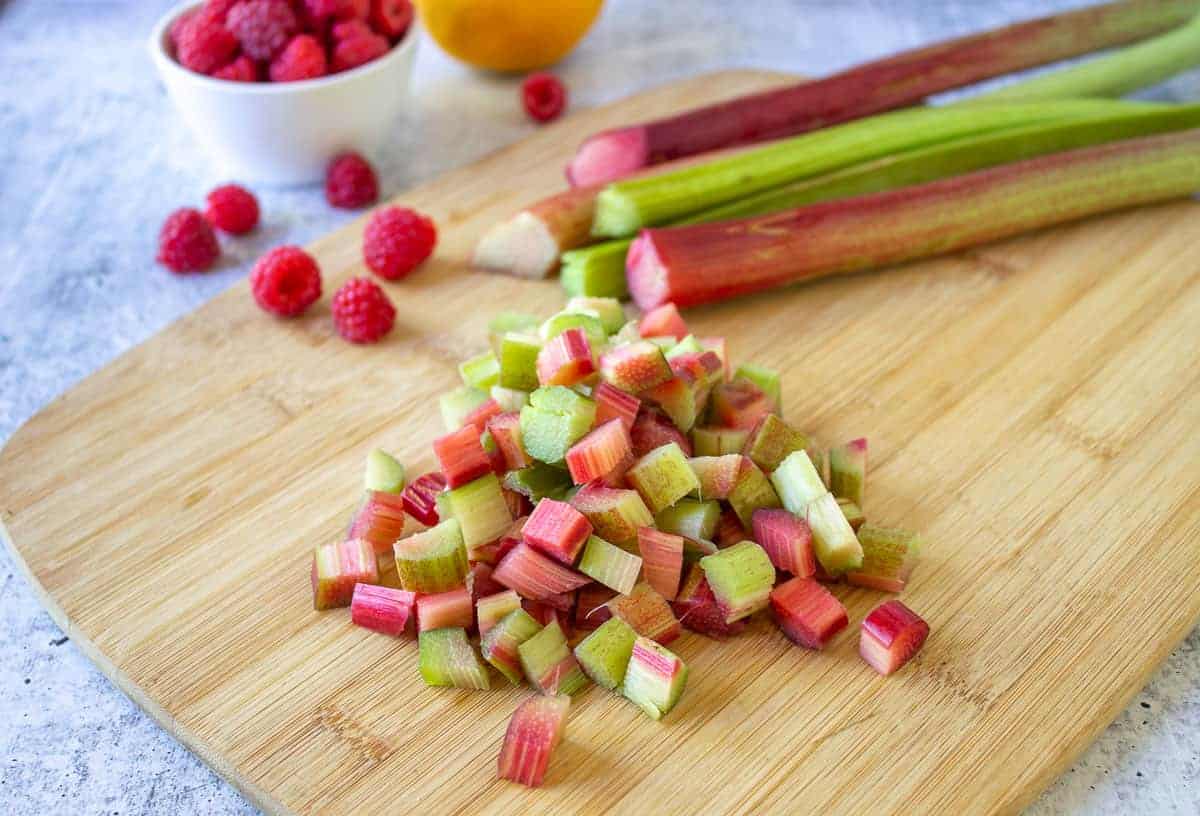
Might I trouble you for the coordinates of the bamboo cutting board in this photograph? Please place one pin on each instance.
(1032, 407)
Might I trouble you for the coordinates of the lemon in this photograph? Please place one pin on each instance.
(508, 35)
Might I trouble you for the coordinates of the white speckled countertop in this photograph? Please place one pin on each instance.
(91, 159)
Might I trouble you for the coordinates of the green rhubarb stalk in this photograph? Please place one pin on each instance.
(624, 207)
(605, 262)
(710, 262)
(1116, 74)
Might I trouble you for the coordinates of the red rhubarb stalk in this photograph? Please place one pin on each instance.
(894, 82)
(711, 262)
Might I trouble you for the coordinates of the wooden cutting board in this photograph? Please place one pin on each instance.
(1032, 407)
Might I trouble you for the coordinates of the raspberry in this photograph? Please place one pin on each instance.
(286, 281)
(186, 242)
(242, 69)
(350, 182)
(396, 241)
(391, 18)
(362, 312)
(219, 9)
(354, 10)
(232, 209)
(263, 27)
(204, 45)
(359, 50)
(302, 58)
(544, 96)
(348, 29)
(177, 27)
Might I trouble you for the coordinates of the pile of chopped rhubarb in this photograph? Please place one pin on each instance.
(604, 485)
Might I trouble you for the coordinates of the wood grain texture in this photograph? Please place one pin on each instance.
(1032, 408)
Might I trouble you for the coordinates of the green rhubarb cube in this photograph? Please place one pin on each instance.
(590, 323)
(797, 482)
(741, 578)
(518, 361)
(384, 473)
(538, 481)
(433, 560)
(772, 441)
(506, 322)
(604, 654)
(833, 539)
(753, 491)
(549, 663)
(481, 511)
(555, 419)
(481, 371)
(765, 378)
(687, 345)
(690, 518)
(456, 405)
(655, 678)
(607, 309)
(447, 658)
(662, 477)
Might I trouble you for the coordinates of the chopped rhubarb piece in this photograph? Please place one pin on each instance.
(615, 514)
(420, 497)
(558, 530)
(797, 482)
(687, 345)
(538, 481)
(662, 555)
(383, 473)
(718, 475)
(662, 477)
(610, 565)
(442, 610)
(654, 679)
(380, 520)
(500, 643)
(549, 663)
(730, 530)
(337, 567)
(382, 609)
(891, 635)
(853, 514)
(566, 359)
(504, 322)
(533, 732)
(481, 511)
(510, 400)
(772, 441)
(554, 608)
(518, 505)
(591, 606)
(807, 612)
(598, 453)
(679, 398)
(481, 416)
(480, 581)
(714, 441)
(663, 321)
(555, 419)
(481, 371)
(786, 540)
(518, 355)
(505, 429)
(608, 310)
(458, 404)
(615, 478)
(848, 470)
(765, 378)
(434, 560)
(739, 404)
(461, 456)
(834, 542)
(696, 548)
(613, 403)
(565, 320)
(690, 518)
(888, 558)
(635, 367)
(647, 612)
(535, 576)
(752, 492)
(447, 658)
(604, 654)
(491, 610)
(741, 578)
(653, 430)
(698, 610)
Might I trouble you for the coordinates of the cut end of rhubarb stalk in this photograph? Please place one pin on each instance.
(558, 530)
(807, 612)
(655, 678)
(888, 558)
(336, 568)
(615, 514)
(549, 663)
(607, 156)
(383, 473)
(891, 635)
(420, 497)
(447, 658)
(482, 512)
(604, 654)
(610, 565)
(698, 609)
(662, 477)
(741, 578)
(493, 608)
(600, 452)
(521, 246)
(434, 560)
(646, 275)
(445, 610)
(533, 732)
(382, 609)
(786, 539)
(647, 612)
(499, 645)
(635, 367)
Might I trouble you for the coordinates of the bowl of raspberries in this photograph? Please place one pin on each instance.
(273, 88)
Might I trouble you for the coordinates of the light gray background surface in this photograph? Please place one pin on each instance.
(91, 160)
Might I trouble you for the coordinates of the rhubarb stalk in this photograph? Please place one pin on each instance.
(711, 262)
(894, 82)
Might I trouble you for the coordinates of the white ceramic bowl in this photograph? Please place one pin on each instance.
(285, 133)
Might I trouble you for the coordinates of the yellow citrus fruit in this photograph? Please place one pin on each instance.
(508, 35)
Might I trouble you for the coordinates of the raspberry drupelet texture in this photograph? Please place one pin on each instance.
(358, 50)
(396, 241)
(242, 69)
(302, 58)
(286, 281)
(391, 18)
(203, 44)
(186, 242)
(232, 209)
(263, 27)
(544, 96)
(362, 312)
(350, 182)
